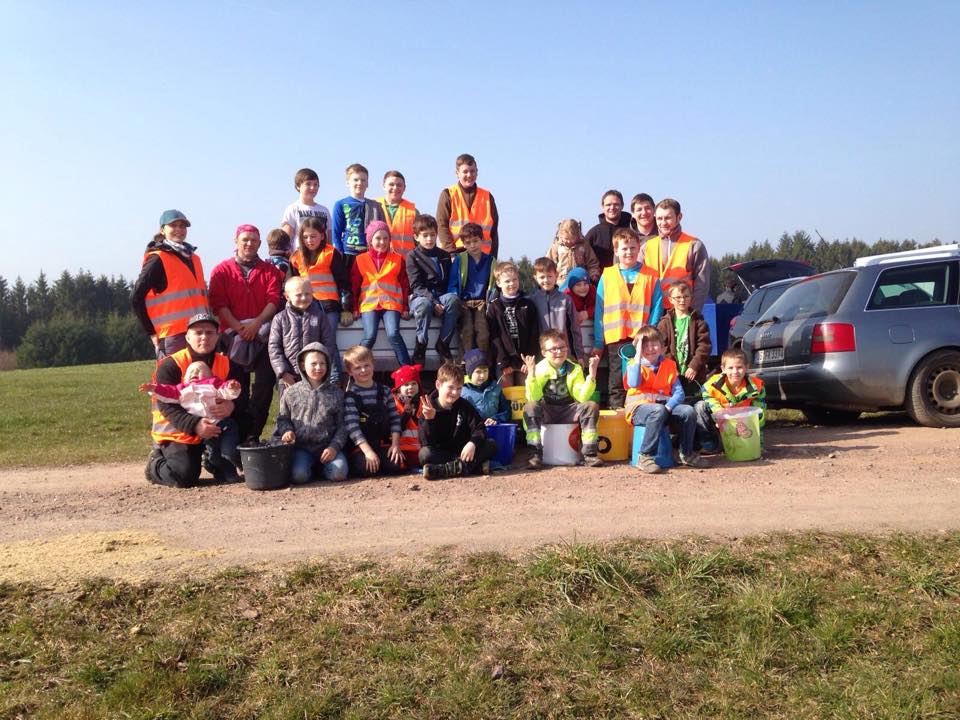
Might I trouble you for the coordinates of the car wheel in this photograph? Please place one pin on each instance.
(933, 396)
(829, 416)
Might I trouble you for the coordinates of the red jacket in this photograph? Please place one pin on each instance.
(244, 297)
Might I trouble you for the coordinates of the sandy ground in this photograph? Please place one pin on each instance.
(58, 525)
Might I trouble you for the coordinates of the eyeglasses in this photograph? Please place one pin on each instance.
(556, 349)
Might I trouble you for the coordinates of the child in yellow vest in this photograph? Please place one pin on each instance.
(655, 397)
(381, 287)
(628, 297)
(731, 387)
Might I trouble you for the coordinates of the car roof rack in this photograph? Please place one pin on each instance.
(928, 253)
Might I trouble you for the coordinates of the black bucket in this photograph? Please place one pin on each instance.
(266, 466)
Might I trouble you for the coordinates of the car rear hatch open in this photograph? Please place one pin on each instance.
(757, 273)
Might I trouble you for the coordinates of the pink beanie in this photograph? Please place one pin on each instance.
(375, 227)
(245, 228)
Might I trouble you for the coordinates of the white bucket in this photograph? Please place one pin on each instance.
(561, 444)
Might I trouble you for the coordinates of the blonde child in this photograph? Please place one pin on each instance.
(352, 215)
(569, 250)
(514, 325)
(371, 419)
(301, 322)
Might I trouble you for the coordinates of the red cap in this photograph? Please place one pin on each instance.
(405, 374)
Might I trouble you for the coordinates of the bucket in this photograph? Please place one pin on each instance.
(266, 466)
(505, 435)
(627, 353)
(517, 395)
(561, 443)
(664, 456)
(614, 435)
(739, 432)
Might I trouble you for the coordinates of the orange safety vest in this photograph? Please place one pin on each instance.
(676, 267)
(652, 384)
(481, 213)
(320, 273)
(163, 430)
(751, 390)
(380, 288)
(625, 313)
(409, 435)
(401, 227)
(184, 297)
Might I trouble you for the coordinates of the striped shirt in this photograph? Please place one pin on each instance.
(368, 396)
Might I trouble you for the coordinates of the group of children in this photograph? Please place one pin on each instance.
(380, 261)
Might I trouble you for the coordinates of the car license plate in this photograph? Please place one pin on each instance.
(769, 355)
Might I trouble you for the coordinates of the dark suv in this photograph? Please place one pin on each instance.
(766, 281)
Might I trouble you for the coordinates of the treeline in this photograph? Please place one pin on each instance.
(76, 320)
(821, 255)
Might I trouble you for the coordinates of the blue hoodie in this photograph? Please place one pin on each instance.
(488, 399)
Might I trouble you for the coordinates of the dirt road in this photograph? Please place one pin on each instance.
(880, 475)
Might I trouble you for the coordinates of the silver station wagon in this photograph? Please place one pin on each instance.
(882, 335)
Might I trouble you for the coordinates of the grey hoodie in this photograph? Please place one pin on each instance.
(314, 414)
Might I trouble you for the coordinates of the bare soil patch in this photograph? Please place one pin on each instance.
(880, 475)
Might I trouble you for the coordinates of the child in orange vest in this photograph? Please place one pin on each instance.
(406, 393)
(655, 397)
(381, 288)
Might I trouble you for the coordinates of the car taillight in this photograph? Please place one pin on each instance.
(833, 337)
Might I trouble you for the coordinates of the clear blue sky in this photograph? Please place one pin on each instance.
(758, 117)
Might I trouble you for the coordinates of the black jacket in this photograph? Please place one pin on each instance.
(600, 238)
(152, 277)
(504, 351)
(452, 429)
(426, 279)
(169, 373)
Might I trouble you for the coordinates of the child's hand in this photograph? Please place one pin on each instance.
(346, 318)
(288, 438)
(207, 429)
(393, 452)
(373, 462)
(147, 387)
(592, 366)
(429, 412)
(356, 315)
(405, 315)
(469, 450)
(438, 309)
(327, 455)
(529, 364)
(596, 352)
(689, 373)
(582, 316)
(489, 421)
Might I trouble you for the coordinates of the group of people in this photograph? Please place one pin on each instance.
(223, 349)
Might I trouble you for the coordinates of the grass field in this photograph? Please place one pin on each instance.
(792, 627)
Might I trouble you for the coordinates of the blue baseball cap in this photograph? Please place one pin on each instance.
(170, 216)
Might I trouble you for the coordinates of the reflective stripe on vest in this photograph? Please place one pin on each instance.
(676, 268)
(409, 435)
(401, 227)
(163, 430)
(625, 313)
(185, 296)
(320, 273)
(381, 288)
(481, 213)
(744, 398)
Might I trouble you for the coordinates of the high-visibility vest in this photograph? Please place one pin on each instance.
(320, 273)
(625, 313)
(380, 288)
(401, 227)
(675, 268)
(716, 388)
(410, 434)
(163, 430)
(481, 213)
(652, 385)
(184, 297)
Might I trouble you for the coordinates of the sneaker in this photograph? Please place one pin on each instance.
(592, 460)
(535, 461)
(443, 350)
(648, 465)
(148, 469)
(227, 474)
(419, 354)
(693, 460)
(439, 471)
(485, 468)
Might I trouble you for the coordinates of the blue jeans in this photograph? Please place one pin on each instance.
(422, 309)
(223, 448)
(304, 460)
(333, 320)
(391, 323)
(653, 417)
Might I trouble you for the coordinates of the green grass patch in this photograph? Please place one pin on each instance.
(809, 626)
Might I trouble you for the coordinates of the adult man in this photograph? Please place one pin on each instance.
(245, 294)
(178, 436)
(643, 212)
(676, 255)
(600, 236)
(466, 202)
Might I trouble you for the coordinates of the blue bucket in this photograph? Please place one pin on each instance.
(664, 456)
(627, 353)
(505, 435)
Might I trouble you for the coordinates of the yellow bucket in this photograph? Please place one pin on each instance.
(615, 436)
(518, 397)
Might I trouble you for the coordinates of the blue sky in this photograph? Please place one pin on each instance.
(758, 117)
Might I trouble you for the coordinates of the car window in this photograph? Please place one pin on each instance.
(773, 294)
(914, 286)
(753, 303)
(816, 297)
